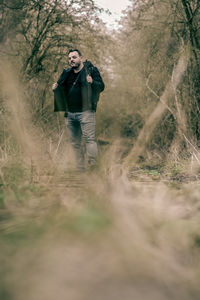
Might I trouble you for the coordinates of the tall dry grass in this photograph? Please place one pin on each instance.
(109, 239)
(91, 236)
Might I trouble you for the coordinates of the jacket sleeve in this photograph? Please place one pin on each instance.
(60, 102)
(97, 84)
(62, 77)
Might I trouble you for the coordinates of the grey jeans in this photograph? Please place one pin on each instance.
(82, 124)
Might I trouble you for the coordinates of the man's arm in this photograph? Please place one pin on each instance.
(96, 80)
(61, 79)
(60, 103)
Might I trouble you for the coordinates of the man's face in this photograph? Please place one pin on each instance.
(75, 60)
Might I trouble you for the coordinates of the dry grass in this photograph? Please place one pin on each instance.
(108, 239)
(91, 236)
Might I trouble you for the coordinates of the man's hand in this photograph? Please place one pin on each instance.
(54, 86)
(89, 79)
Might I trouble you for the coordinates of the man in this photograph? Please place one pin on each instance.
(77, 92)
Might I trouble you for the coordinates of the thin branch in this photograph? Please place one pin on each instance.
(158, 97)
(13, 7)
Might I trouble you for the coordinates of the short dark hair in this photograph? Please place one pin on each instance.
(73, 50)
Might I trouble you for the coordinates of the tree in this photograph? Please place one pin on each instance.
(36, 35)
(152, 34)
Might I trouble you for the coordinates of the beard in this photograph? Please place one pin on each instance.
(76, 66)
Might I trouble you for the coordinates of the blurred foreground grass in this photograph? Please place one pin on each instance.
(99, 237)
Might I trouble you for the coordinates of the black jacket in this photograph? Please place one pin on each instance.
(90, 91)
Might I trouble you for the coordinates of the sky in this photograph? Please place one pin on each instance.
(115, 7)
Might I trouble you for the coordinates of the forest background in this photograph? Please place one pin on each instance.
(150, 65)
(147, 118)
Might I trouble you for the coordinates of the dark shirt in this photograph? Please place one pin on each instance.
(73, 89)
(89, 92)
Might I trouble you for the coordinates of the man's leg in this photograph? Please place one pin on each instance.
(88, 130)
(75, 135)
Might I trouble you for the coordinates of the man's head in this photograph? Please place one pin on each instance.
(75, 59)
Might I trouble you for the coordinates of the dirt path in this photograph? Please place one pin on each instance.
(94, 237)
